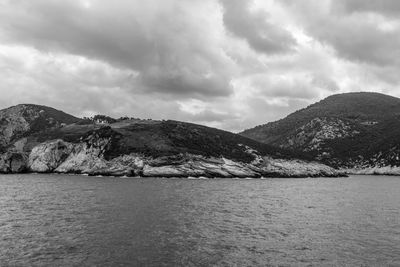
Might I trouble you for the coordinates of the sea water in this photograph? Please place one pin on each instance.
(64, 220)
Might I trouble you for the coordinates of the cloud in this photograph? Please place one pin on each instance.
(358, 30)
(254, 27)
(325, 83)
(170, 44)
(208, 116)
(361, 39)
(230, 64)
(183, 82)
(385, 7)
(283, 86)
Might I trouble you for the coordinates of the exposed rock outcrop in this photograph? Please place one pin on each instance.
(23, 119)
(385, 170)
(312, 135)
(47, 156)
(13, 162)
(357, 131)
(88, 158)
(41, 139)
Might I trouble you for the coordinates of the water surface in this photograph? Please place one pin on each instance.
(63, 220)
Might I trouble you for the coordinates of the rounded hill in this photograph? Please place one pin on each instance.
(362, 107)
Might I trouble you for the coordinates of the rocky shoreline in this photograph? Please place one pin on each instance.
(58, 156)
(40, 139)
(376, 170)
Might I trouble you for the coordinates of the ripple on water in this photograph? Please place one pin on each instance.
(63, 220)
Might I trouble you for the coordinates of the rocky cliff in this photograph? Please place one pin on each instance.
(88, 158)
(356, 132)
(147, 148)
(22, 120)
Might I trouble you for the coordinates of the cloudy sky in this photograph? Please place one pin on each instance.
(231, 64)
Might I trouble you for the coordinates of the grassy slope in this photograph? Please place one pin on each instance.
(349, 106)
(372, 140)
(163, 138)
(353, 108)
(171, 137)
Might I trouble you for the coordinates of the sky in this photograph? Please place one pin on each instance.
(230, 64)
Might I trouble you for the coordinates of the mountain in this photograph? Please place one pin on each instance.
(25, 119)
(42, 139)
(357, 131)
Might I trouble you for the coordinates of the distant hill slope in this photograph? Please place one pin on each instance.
(25, 119)
(357, 107)
(345, 130)
(36, 124)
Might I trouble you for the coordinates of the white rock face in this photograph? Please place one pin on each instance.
(311, 135)
(297, 168)
(163, 171)
(200, 166)
(88, 158)
(238, 169)
(49, 155)
(385, 170)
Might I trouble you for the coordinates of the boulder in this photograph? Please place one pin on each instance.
(47, 156)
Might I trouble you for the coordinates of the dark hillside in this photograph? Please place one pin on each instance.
(164, 138)
(26, 119)
(171, 137)
(340, 130)
(358, 107)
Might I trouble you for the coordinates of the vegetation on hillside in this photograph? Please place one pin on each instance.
(357, 107)
(164, 138)
(26, 119)
(374, 143)
(374, 117)
(173, 137)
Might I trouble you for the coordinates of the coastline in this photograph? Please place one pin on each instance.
(58, 156)
(384, 170)
(195, 170)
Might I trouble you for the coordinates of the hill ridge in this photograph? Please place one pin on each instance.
(41, 139)
(339, 130)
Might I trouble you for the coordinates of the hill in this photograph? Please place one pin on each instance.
(25, 119)
(161, 138)
(102, 145)
(345, 130)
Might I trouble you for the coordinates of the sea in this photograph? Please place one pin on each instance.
(73, 220)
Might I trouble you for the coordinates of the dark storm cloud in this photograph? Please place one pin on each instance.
(68, 26)
(185, 83)
(171, 54)
(253, 26)
(230, 64)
